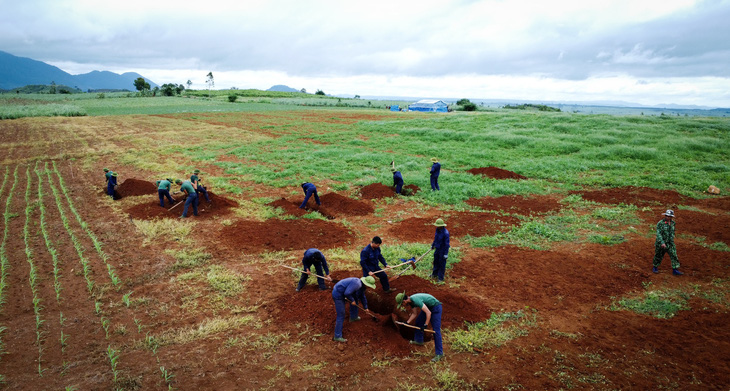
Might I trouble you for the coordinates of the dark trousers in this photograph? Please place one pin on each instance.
(309, 194)
(439, 264)
(204, 192)
(164, 193)
(340, 308)
(435, 183)
(436, 324)
(398, 187)
(307, 267)
(191, 200)
(382, 276)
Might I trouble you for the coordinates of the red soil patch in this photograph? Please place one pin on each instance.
(639, 196)
(281, 235)
(149, 210)
(518, 204)
(716, 228)
(334, 204)
(459, 224)
(495, 173)
(289, 207)
(378, 190)
(316, 309)
(136, 187)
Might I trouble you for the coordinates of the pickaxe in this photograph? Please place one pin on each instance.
(308, 272)
(414, 263)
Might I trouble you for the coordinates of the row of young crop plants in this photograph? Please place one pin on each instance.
(62, 198)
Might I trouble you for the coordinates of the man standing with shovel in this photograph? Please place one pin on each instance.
(191, 199)
(370, 258)
(441, 250)
(353, 290)
(425, 309)
(316, 258)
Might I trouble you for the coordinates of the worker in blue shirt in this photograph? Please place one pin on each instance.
(351, 289)
(370, 258)
(111, 185)
(107, 174)
(199, 188)
(397, 180)
(441, 246)
(316, 258)
(435, 171)
(309, 189)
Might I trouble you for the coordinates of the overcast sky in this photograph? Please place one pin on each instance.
(643, 51)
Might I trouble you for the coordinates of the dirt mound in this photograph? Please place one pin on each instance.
(495, 173)
(518, 204)
(459, 224)
(289, 207)
(639, 196)
(283, 235)
(151, 209)
(334, 204)
(136, 187)
(316, 309)
(376, 191)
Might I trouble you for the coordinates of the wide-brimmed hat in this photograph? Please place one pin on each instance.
(106, 170)
(368, 281)
(435, 160)
(115, 174)
(669, 213)
(178, 181)
(439, 223)
(399, 298)
(196, 171)
(393, 169)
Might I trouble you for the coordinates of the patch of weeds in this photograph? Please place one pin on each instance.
(719, 246)
(188, 258)
(314, 216)
(499, 329)
(561, 334)
(204, 329)
(225, 281)
(269, 341)
(608, 240)
(167, 229)
(314, 367)
(448, 379)
(663, 304)
(255, 211)
(537, 233)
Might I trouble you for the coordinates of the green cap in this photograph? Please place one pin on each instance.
(196, 171)
(178, 181)
(168, 179)
(435, 160)
(115, 174)
(369, 281)
(106, 170)
(439, 223)
(399, 298)
(393, 169)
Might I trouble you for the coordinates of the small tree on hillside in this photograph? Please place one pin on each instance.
(319, 92)
(462, 102)
(209, 81)
(140, 84)
(189, 83)
(303, 90)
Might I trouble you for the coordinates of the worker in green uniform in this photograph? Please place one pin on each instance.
(425, 309)
(107, 174)
(199, 188)
(163, 190)
(665, 243)
(191, 197)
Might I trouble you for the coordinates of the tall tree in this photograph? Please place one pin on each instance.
(189, 83)
(209, 81)
(140, 84)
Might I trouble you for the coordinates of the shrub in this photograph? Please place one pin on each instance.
(470, 107)
(232, 98)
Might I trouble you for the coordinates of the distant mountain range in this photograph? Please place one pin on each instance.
(17, 72)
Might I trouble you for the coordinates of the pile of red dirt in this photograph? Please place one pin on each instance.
(335, 204)
(376, 191)
(289, 207)
(517, 204)
(151, 209)
(495, 173)
(459, 224)
(136, 187)
(284, 235)
(639, 196)
(316, 309)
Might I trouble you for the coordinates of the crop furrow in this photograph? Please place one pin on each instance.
(49, 244)
(33, 271)
(97, 243)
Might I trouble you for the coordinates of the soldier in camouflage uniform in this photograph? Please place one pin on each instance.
(665, 243)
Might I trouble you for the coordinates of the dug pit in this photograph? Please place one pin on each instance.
(333, 205)
(315, 308)
(495, 173)
(151, 209)
(378, 190)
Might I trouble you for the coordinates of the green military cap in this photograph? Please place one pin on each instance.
(196, 171)
(168, 179)
(115, 174)
(369, 281)
(178, 181)
(393, 169)
(106, 170)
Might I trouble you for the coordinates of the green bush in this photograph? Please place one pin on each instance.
(470, 107)
(232, 98)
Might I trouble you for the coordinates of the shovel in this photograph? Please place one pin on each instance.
(397, 323)
(414, 263)
(375, 318)
(310, 273)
